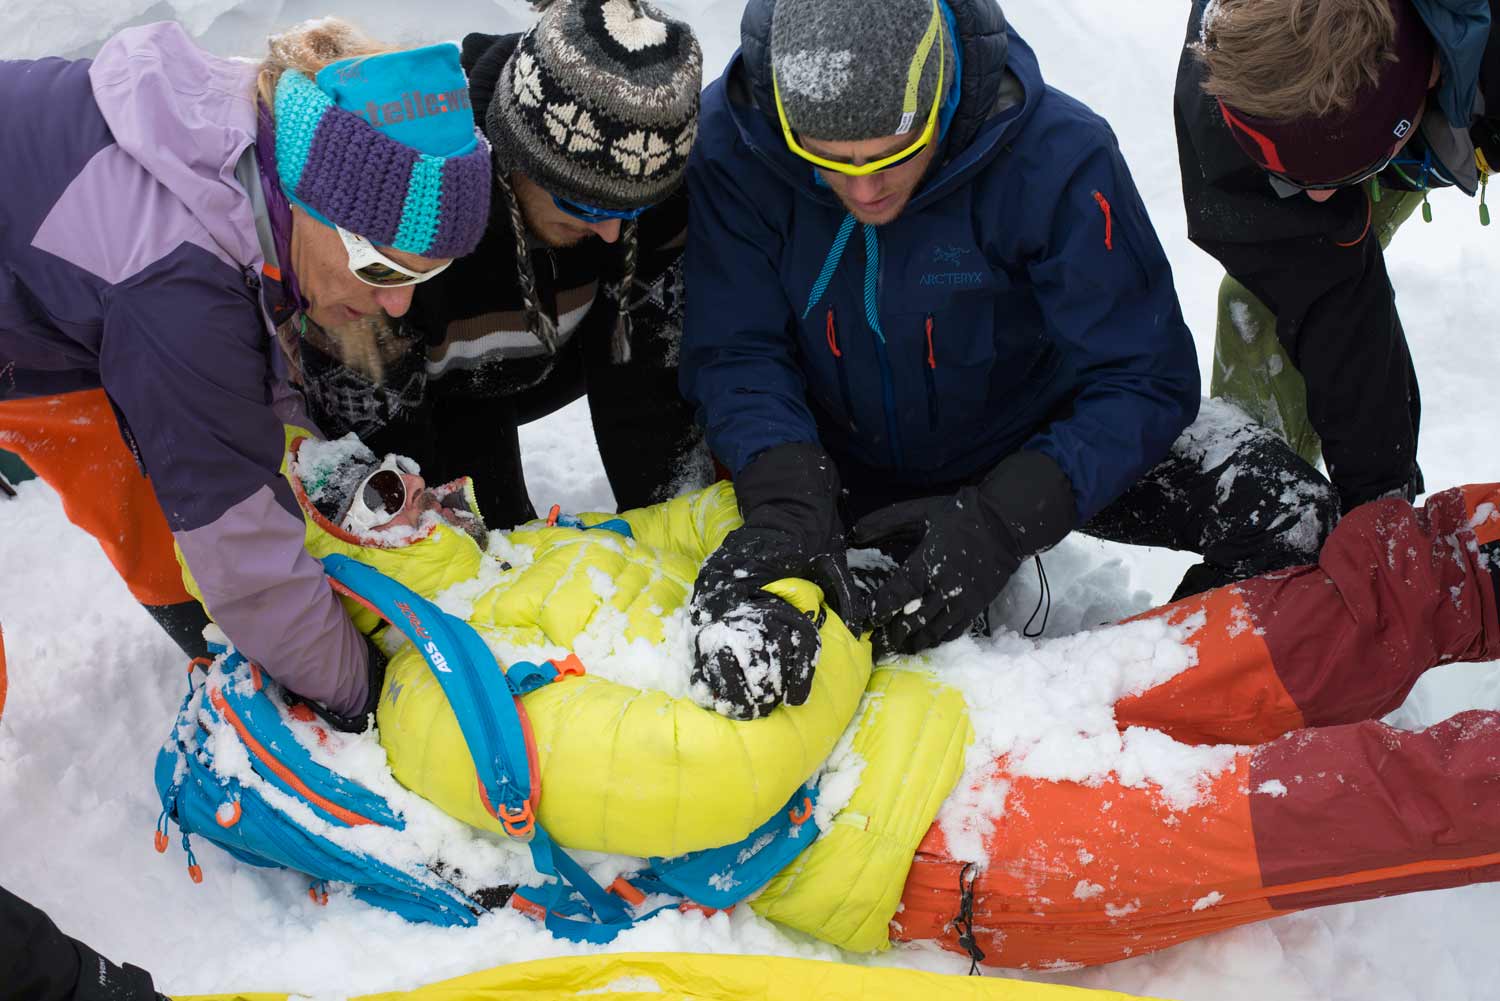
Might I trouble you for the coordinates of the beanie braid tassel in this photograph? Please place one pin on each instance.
(538, 322)
(620, 342)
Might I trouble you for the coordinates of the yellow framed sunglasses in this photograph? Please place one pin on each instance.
(909, 110)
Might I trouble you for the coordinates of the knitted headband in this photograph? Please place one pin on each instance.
(599, 103)
(346, 169)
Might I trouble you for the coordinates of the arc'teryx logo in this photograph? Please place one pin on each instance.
(417, 104)
(952, 256)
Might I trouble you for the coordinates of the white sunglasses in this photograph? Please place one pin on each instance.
(380, 496)
(374, 268)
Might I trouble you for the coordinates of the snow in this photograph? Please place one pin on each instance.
(94, 684)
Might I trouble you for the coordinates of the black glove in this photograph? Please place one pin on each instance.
(794, 489)
(752, 649)
(964, 548)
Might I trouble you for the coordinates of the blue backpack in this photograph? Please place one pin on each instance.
(259, 822)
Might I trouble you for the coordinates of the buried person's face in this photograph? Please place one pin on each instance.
(335, 296)
(394, 495)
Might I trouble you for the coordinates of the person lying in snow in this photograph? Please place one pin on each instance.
(1310, 801)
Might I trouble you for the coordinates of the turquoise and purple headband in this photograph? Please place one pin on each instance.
(386, 147)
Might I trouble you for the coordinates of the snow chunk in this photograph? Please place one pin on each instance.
(1086, 890)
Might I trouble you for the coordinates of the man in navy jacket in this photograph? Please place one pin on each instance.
(920, 276)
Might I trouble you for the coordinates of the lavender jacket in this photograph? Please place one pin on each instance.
(129, 259)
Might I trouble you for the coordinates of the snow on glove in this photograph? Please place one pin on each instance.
(752, 650)
(963, 548)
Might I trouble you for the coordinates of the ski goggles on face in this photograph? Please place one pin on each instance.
(381, 495)
(1286, 186)
(592, 213)
(374, 268)
(913, 80)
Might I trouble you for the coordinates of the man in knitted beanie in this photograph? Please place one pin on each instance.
(926, 301)
(576, 287)
(1309, 132)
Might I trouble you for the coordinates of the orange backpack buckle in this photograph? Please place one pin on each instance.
(519, 824)
(569, 667)
(800, 814)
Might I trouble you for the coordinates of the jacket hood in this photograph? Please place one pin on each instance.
(1461, 29)
(999, 85)
(186, 117)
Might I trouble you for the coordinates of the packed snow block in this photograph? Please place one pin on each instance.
(650, 976)
(906, 756)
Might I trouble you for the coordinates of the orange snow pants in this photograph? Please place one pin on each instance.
(1322, 805)
(73, 441)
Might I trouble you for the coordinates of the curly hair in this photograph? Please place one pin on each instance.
(1289, 59)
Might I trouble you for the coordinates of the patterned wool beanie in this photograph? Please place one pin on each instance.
(385, 147)
(859, 69)
(599, 103)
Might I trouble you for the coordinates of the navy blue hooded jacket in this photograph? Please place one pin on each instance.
(1020, 301)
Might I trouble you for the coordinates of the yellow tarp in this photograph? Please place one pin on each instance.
(687, 977)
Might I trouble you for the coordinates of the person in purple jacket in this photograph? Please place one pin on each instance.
(164, 211)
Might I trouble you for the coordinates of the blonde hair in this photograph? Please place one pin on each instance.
(1289, 59)
(307, 48)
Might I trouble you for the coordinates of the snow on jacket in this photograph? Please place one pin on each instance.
(1318, 266)
(1020, 301)
(129, 260)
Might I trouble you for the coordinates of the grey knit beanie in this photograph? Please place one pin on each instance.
(845, 67)
(599, 103)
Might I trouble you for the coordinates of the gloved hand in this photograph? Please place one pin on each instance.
(753, 650)
(963, 548)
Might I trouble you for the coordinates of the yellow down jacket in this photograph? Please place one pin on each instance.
(640, 773)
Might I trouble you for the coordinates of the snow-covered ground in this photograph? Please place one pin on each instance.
(94, 684)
